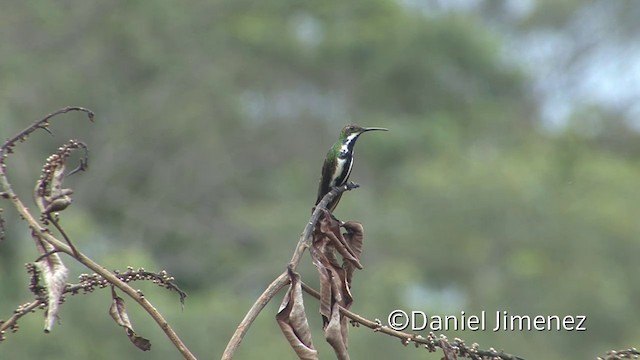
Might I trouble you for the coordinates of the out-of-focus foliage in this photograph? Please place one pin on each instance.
(212, 120)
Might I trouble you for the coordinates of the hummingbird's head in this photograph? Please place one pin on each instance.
(349, 135)
(352, 131)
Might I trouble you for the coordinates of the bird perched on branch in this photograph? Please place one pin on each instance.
(337, 166)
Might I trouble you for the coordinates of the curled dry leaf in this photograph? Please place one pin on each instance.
(335, 278)
(293, 321)
(323, 257)
(54, 274)
(59, 198)
(330, 228)
(53, 198)
(118, 312)
(49, 194)
(355, 238)
(336, 333)
(326, 298)
(1, 224)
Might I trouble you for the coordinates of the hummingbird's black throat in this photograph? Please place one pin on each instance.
(346, 150)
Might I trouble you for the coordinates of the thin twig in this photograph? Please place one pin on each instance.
(17, 314)
(55, 223)
(282, 280)
(631, 353)
(40, 124)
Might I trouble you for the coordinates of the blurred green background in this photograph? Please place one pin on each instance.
(509, 179)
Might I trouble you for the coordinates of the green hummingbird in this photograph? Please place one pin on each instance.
(339, 162)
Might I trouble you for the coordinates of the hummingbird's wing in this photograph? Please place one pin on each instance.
(324, 185)
(323, 188)
(334, 173)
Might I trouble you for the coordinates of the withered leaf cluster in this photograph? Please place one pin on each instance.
(336, 276)
(118, 312)
(293, 320)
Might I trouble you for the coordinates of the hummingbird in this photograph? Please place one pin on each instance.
(339, 162)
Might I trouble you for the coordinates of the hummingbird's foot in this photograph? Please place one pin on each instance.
(340, 222)
(351, 185)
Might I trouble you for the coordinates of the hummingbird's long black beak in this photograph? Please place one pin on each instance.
(373, 129)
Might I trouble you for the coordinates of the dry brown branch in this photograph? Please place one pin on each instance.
(7, 146)
(431, 342)
(59, 246)
(284, 279)
(12, 323)
(632, 353)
